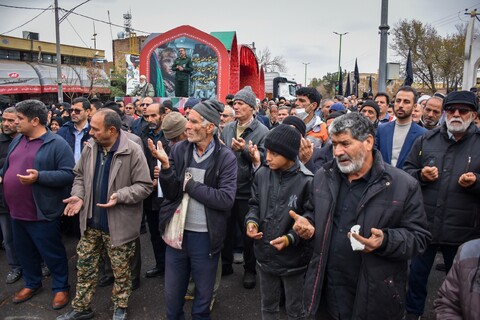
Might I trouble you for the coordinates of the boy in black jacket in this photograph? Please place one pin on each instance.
(282, 256)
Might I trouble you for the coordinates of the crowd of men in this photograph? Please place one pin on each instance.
(338, 206)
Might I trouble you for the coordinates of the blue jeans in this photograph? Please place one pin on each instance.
(194, 256)
(270, 288)
(420, 268)
(6, 225)
(37, 240)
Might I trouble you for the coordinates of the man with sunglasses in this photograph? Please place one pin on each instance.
(446, 162)
(75, 132)
(140, 123)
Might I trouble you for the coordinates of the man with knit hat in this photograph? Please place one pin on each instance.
(237, 135)
(446, 163)
(282, 256)
(312, 158)
(173, 126)
(371, 110)
(206, 170)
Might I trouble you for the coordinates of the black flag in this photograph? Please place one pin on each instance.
(347, 86)
(409, 70)
(340, 83)
(356, 79)
(370, 92)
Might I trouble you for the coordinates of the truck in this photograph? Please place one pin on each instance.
(279, 84)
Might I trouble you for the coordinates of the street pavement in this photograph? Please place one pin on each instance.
(147, 302)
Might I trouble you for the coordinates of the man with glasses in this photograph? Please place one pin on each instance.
(228, 115)
(75, 132)
(130, 110)
(446, 162)
(140, 123)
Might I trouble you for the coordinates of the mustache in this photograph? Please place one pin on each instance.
(343, 158)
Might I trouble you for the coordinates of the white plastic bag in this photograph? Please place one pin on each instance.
(173, 235)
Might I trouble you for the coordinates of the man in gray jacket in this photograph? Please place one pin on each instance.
(237, 135)
(111, 181)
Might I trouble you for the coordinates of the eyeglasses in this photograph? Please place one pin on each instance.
(76, 111)
(224, 115)
(145, 104)
(461, 110)
(128, 108)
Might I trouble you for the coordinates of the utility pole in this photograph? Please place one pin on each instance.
(306, 64)
(59, 56)
(384, 27)
(94, 37)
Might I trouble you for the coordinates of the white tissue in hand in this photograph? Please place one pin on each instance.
(356, 245)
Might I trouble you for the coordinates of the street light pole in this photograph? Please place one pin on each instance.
(306, 64)
(339, 53)
(382, 69)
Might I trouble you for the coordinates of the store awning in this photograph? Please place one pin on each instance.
(18, 77)
(27, 77)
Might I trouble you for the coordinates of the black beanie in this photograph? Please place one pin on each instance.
(284, 140)
(297, 123)
(373, 104)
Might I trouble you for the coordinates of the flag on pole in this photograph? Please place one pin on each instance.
(356, 79)
(409, 70)
(370, 87)
(340, 83)
(347, 86)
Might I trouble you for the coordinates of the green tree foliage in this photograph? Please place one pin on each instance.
(435, 58)
(118, 84)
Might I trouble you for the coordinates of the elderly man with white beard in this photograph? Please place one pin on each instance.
(446, 162)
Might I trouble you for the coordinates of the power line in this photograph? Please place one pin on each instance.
(17, 7)
(86, 45)
(450, 18)
(106, 22)
(67, 12)
(38, 15)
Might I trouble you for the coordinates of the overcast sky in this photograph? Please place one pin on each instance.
(300, 31)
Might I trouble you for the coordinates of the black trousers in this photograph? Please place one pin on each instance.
(237, 216)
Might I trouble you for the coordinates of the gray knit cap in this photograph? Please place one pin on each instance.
(210, 110)
(247, 96)
(173, 125)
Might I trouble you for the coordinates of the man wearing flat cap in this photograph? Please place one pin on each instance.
(206, 170)
(446, 162)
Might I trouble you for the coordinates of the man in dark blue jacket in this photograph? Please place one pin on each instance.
(75, 132)
(395, 139)
(39, 168)
(206, 170)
